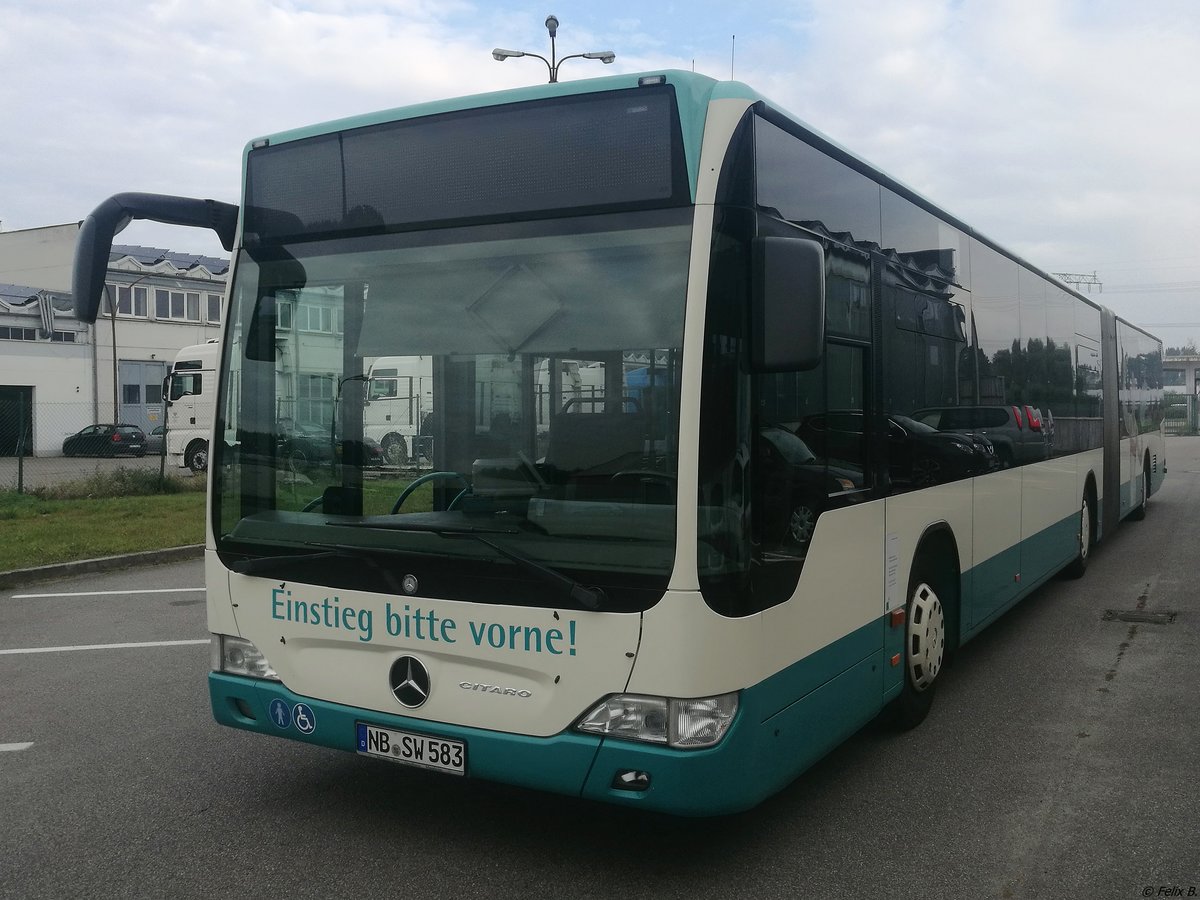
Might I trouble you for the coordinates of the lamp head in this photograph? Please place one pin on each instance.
(605, 56)
(552, 25)
(501, 55)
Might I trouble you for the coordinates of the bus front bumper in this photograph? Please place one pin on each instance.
(681, 782)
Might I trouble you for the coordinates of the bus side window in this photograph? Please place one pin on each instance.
(809, 447)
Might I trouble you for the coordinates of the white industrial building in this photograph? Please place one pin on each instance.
(57, 374)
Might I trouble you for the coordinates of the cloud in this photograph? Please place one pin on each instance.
(1064, 129)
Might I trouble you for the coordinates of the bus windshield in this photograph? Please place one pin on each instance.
(516, 382)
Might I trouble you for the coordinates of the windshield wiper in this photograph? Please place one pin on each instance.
(344, 551)
(424, 528)
(255, 564)
(588, 597)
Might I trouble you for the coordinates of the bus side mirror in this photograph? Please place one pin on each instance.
(787, 316)
(96, 233)
(166, 390)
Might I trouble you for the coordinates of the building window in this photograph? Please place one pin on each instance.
(177, 305)
(17, 334)
(63, 337)
(314, 398)
(214, 308)
(131, 300)
(314, 318)
(131, 393)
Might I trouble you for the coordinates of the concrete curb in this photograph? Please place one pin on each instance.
(19, 577)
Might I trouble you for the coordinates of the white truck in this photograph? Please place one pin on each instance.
(399, 399)
(190, 390)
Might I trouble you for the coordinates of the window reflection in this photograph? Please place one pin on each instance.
(801, 184)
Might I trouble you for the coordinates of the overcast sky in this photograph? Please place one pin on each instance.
(1065, 130)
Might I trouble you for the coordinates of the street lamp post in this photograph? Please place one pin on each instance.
(111, 294)
(605, 56)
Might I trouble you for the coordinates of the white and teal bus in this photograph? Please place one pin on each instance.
(688, 524)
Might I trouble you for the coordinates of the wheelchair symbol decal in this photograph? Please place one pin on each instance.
(306, 720)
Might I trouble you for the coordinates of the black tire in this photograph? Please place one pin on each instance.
(925, 650)
(196, 457)
(1086, 538)
(1138, 513)
(395, 451)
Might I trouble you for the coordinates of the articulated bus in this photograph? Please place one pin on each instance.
(735, 439)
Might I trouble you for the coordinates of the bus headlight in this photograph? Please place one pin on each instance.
(684, 724)
(238, 656)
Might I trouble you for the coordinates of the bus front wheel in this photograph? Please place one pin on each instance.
(924, 650)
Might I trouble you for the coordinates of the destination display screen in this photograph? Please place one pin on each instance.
(609, 151)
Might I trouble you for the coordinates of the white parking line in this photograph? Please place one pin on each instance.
(110, 593)
(101, 647)
(15, 748)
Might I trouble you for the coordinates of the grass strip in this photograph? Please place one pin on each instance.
(39, 532)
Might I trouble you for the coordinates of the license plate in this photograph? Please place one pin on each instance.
(419, 750)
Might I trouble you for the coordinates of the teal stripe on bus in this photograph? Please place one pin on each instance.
(989, 589)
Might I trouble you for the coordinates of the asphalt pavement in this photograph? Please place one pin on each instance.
(1061, 759)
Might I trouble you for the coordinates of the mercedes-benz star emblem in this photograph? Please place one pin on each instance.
(410, 681)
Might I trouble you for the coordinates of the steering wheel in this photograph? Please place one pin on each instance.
(432, 476)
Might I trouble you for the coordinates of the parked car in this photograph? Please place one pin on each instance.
(369, 454)
(1018, 433)
(921, 455)
(156, 439)
(303, 445)
(106, 440)
(918, 454)
(800, 485)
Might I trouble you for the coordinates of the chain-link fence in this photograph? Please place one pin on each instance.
(45, 444)
(1182, 414)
